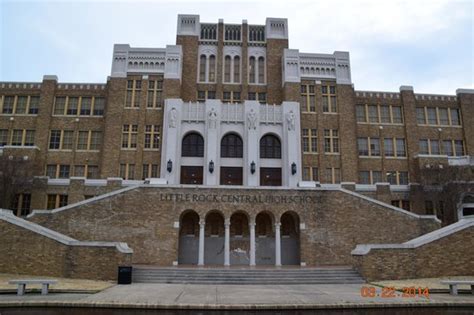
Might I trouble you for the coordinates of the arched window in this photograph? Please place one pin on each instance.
(193, 145)
(252, 70)
(236, 69)
(261, 70)
(227, 61)
(212, 68)
(270, 147)
(202, 68)
(231, 146)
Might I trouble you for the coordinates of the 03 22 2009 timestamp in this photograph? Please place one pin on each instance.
(390, 292)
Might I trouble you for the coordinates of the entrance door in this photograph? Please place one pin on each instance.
(270, 176)
(231, 176)
(191, 175)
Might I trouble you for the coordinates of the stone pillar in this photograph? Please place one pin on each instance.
(252, 243)
(277, 245)
(227, 243)
(251, 143)
(291, 144)
(202, 225)
(212, 142)
(171, 145)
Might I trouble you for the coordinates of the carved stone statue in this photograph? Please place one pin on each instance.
(252, 119)
(290, 118)
(173, 117)
(212, 118)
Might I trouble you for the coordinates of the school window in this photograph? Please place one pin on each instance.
(8, 103)
(361, 113)
(152, 136)
(260, 96)
(455, 117)
(331, 141)
(429, 147)
(72, 106)
(256, 70)
(56, 201)
(333, 175)
(453, 147)
(23, 137)
(88, 171)
(438, 116)
(368, 146)
(61, 139)
(89, 140)
(404, 204)
(397, 177)
(370, 177)
(57, 171)
(19, 105)
(308, 98)
(202, 96)
(310, 174)
(150, 171)
(394, 147)
(3, 137)
(231, 97)
(129, 136)
(127, 171)
(21, 205)
(134, 90)
(86, 106)
(429, 207)
(310, 141)
(99, 106)
(231, 69)
(155, 94)
(379, 114)
(329, 99)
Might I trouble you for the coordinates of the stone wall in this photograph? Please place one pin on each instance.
(25, 251)
(332, 222)
(452, 255)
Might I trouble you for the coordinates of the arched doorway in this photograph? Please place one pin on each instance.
(239, 239)
(290, 238)
(188, 238)
(264, 239)
(192, 146)
(214, 239)
(231, 147)
(270, 148)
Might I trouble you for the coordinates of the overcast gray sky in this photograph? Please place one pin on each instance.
(427, 44)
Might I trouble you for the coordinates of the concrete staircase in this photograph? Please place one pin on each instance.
(332, 275)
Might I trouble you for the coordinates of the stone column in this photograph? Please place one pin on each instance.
(277, 245)
(202, 225)
(227, 243)
(252, 243)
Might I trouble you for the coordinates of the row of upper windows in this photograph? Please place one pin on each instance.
(154, 94)
(87, 140)
(17, 137)
(130, 137)
(79, 106)
(438, 147)
(379, 114)
(392, 147)
(256, 33)
(231, 146)
(19, 105)
(438, 116)
(232, 96)
(393, 177)
(232, 69)
(66, 171)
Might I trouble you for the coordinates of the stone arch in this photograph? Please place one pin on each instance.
(290, 238)
(265, 238)
(192, 144)
(239, 238)
(214, 238)
(270, 146)
(188, 238)
(232, 145)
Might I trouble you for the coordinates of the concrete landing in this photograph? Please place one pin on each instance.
(175, 296)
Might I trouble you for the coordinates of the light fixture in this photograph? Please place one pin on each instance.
(211, 167)
(169, 166)
(252, 167)
(293, 168)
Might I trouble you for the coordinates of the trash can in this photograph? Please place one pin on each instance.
(124, 275)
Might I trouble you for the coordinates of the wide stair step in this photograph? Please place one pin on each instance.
(336, 275)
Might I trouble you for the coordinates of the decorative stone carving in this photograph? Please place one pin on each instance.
(173, 117)
(291, 118)
(252, 119)
(212, 117)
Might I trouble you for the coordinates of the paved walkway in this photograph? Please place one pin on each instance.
(232, 297)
